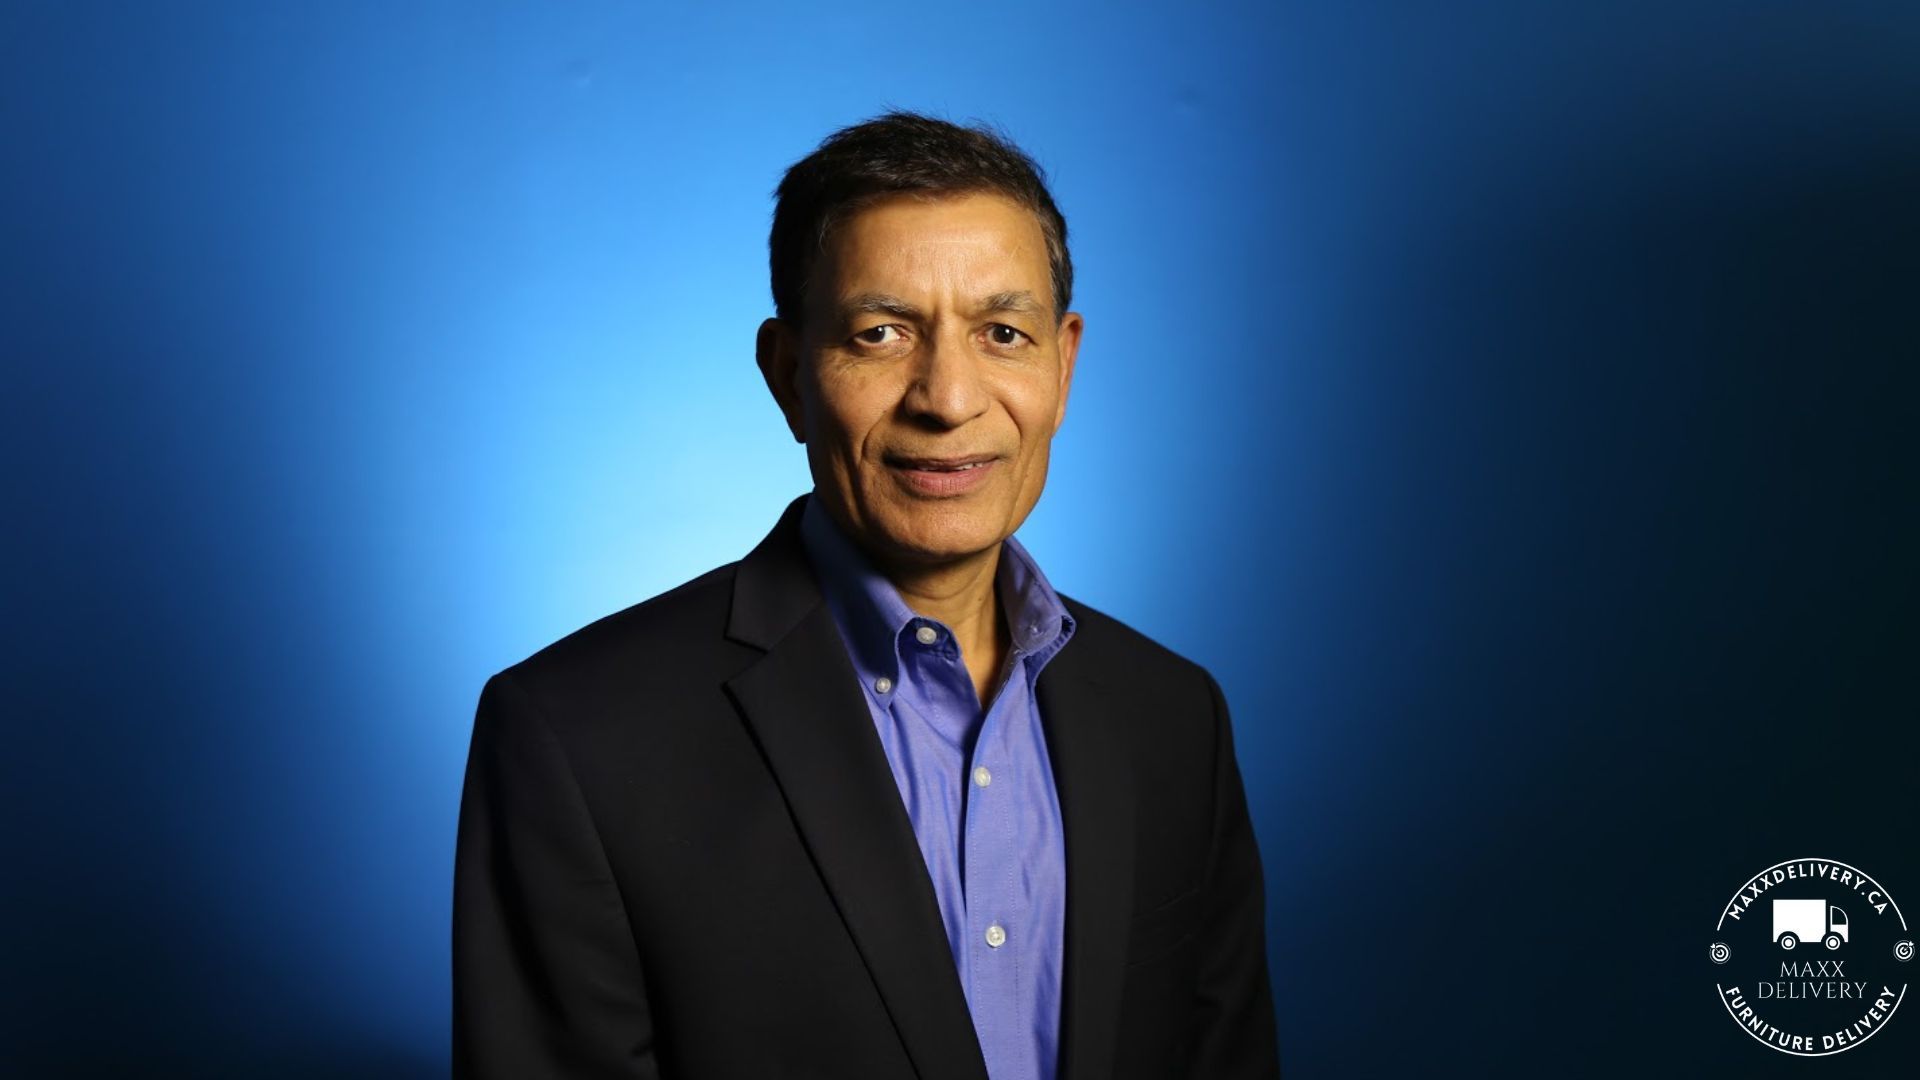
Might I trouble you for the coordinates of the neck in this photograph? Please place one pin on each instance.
(961, 595)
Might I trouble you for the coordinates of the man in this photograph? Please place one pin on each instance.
(875, 800)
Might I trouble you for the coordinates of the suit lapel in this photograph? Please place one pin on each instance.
(1095, 784)
(803, 702)
(806, 710)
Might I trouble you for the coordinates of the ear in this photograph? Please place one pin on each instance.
(1068, 337)
(777, 351)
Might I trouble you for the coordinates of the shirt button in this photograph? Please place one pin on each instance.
(982, 777)
(927, 635)
(996, 937)
(883, 684)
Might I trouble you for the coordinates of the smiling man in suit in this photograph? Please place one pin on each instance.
(875, 800)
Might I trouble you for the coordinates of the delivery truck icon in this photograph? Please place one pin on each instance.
(1795, 921)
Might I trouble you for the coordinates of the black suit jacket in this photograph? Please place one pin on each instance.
(682, 854)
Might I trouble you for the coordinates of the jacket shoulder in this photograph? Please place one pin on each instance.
(676, 633)
(1126, 656)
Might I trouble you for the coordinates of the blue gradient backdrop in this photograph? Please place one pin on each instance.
(1513, 404)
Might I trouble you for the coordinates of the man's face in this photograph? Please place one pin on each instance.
(929, 339)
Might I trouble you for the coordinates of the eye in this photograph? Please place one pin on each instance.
(1002, 334)
(876, 335)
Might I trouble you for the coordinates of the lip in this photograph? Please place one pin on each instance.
(937, 484)
(912, 461)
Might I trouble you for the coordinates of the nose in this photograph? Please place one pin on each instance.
(948, 384)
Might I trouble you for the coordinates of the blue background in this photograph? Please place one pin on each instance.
(1513, 404)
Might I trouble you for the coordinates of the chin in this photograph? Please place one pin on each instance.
(936, 531)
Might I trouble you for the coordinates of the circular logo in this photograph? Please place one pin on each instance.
(1810, 957)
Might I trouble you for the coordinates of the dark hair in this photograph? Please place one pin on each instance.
(897, 152)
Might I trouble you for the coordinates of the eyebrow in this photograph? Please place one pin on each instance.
(1018, 301)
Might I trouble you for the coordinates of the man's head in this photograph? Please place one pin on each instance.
(921, 281)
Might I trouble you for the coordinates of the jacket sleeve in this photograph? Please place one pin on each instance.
(546, 975)
(1234, 1035)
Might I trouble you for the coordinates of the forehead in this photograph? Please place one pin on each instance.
(975, 242)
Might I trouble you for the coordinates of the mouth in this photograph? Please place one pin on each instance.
(962, 463)
(937, 477)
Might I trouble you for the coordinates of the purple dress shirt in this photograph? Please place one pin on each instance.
(977, 784)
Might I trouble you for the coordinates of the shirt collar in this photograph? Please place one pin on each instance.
(873, 617)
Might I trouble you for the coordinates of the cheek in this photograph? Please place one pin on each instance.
(848, 412)
(1033, 408)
